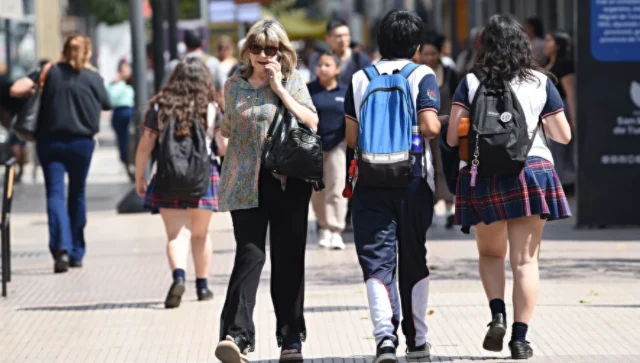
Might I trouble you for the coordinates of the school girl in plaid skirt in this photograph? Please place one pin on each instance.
(510, 212)
(188, 96)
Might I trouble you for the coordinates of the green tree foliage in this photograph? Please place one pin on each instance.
(117, 11)
(107, 11)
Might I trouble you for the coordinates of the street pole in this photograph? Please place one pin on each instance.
(131, 202)
(157, 23)
(204, 19)
(172, 18)
(7, 40)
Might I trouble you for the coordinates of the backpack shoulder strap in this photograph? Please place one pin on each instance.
(408, 69)
(371, 72)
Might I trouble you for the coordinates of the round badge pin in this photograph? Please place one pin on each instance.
(506, 117)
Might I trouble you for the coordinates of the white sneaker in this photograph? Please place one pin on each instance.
(336, 242)
(324, 238)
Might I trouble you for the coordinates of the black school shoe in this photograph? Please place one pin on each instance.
(292, 343)
(386, 352)
(204, 294)
(174, 296)
(520, 350)
(494, 339)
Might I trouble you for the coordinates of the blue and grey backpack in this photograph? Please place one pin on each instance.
(389, 141)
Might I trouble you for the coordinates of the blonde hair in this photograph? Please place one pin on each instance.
(78, 54)
(268, 32)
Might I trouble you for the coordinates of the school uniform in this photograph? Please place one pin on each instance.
(537, 189)
(329, 205)
(209, 201)
(382, 216)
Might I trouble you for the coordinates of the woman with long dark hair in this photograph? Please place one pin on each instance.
(557, 49)
(72, 98)
(504, 210)
(188, 96)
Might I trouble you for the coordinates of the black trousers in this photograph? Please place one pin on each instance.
(286, 213)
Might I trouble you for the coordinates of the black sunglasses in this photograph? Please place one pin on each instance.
(269, 51)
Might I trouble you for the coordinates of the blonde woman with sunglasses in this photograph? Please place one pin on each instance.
(257, 198)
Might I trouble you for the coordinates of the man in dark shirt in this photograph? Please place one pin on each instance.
(339, 39)
(351, 61)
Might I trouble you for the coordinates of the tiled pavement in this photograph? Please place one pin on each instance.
(111, 310)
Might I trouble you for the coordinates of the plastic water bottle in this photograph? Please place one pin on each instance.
(416, 139)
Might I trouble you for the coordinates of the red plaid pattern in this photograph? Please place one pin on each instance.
(536, 191)
(208, 202)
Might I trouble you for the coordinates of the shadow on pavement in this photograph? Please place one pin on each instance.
(154, 305)
(332, 309)
(550, 269)
(30, 198)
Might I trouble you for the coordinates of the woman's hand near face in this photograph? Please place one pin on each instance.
(274, 71)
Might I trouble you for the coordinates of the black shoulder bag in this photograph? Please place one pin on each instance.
(26, 123)
(292, 149)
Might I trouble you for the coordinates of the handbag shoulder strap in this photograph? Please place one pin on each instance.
(43, 75)
(280, 108)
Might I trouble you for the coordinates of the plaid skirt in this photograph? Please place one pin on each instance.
(536, 191)
(208, 202)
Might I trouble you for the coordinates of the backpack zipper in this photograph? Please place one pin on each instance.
(387, 90)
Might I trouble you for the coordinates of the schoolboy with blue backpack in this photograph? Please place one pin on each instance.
(390, 108)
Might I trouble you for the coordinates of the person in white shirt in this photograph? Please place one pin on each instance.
(510, 210)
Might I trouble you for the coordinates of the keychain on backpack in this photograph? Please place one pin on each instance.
(474, 164)
(353, 170)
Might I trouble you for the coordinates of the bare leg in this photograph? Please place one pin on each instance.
(200, 242)
(177, 224)
(525, 235)
(492, 248)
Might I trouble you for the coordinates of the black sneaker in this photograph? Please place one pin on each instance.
(174, 296)
(451, 219)
(386, 352)
(418, 353)
(233, 350)
(494, 339)
(520, 350)
(61, 265)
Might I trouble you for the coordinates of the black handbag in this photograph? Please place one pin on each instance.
(292, 149)
(26, 122)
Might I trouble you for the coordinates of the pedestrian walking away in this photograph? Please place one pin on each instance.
(390, 107)
(69, 118)
(258, 198)
(184, 190)
(121, 94)
(329, 206)
(507, 192)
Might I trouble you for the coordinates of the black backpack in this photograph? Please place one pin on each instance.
(184, 166)
(498, 138)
